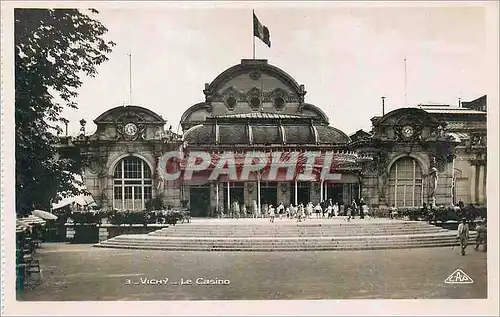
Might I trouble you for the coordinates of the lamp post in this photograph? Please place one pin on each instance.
(82, 126)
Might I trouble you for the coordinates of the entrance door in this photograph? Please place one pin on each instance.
(303, 193)
(199, 201)
(335, 192)
(237, 193)
(269, 193)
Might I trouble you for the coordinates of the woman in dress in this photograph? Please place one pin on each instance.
(336, 209)
(280, 209)
(309, 209)
(318, 210)
(349, 212)
(271, 213)
(301, 213)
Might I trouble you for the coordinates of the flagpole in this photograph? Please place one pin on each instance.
(253, 35)
(130, 76)
(405, 84)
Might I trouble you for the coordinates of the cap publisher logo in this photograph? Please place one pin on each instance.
(458, 277)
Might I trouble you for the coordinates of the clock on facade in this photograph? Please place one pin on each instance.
(130, 129)
(407, 131)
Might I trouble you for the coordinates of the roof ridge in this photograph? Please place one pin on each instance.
(262, 114)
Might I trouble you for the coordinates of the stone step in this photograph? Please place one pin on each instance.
(307, 242)
(288, 236)
(279, 248)
(293, 233)
(278, 232)
(305, 224)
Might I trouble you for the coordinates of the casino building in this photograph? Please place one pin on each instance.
(424, 154)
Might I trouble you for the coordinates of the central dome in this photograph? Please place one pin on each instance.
(250, 87)
(264, 129)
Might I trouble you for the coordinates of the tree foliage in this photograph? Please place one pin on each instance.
(54, 50)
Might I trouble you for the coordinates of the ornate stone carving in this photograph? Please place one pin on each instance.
(264, 96)
(478, 139)
(408, 127)
(122, 135)
(279, 98)
(255, 74)
(254, 98)
(230, 97)
(379, 163)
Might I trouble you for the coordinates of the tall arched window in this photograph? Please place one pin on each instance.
(132, 184)
(405, 183)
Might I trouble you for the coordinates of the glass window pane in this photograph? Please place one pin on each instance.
(138, 192)
(118, 192)
(133, 182)
(148, 192)
(128, 192)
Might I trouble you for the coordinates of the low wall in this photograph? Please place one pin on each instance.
(93, 233)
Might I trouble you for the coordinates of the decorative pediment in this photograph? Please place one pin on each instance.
(132, 113)
(406, 124)
(130, 116)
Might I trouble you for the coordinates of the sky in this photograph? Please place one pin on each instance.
(347, 57)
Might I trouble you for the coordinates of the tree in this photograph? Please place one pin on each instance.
(54, 50)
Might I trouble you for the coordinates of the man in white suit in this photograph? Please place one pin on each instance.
(463, 235)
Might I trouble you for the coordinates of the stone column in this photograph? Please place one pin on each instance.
(485, 182)
(480, 183)
(472, 184)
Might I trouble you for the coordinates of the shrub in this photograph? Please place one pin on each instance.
(155, 204)
(89, 217)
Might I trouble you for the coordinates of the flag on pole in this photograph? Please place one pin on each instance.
(261, 31)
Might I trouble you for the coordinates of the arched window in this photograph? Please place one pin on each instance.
(132, 184)
(405, 183)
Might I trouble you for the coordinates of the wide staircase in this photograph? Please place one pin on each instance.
(288, 235)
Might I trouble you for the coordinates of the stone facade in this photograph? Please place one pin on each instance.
(425, 154)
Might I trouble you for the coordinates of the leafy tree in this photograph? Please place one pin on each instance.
(54, 50)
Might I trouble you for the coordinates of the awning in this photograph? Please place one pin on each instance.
(31, 220)
(459, 136)
(81, 200)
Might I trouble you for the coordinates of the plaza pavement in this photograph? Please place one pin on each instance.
(82, 272)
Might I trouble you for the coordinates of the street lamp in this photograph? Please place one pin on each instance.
(82, 124)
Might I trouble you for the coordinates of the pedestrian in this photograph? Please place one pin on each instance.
(236, 207)
(349, 211)
(336, 209)
(394, 212)
(280, 209)
(244, 210)
(309, 209)
(318, 210)
(330, 208)
(463, 235)
(354, 207)
(481, 235)
(302, 211)
(271, 213)
(362, 208)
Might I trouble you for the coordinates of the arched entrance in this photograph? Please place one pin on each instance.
(132, 184)
(405, 183)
